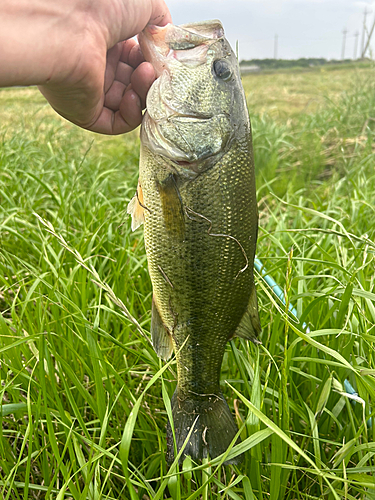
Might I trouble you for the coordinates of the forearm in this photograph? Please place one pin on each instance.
(37, 38)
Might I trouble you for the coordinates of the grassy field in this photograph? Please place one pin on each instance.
(84, 399)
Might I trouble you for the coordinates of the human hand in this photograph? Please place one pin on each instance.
(108, 89)
(82, 56)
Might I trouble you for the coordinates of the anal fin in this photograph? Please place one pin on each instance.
(161, 338)
(250, 327)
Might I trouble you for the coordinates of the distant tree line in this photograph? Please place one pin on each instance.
(290, 63)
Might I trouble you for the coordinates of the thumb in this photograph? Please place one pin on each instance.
(133, 17)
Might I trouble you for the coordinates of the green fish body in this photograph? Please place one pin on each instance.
(197, 199)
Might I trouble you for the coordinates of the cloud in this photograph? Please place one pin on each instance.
(363, 5)
(306, 28)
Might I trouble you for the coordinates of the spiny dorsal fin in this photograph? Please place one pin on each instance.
(250, 327)
(136, 208)
(161, 338)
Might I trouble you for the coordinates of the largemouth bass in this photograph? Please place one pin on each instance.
(196, 197)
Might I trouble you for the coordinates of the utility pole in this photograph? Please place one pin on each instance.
(275, 47)
(343, 44)
(355, 46)
(368, 40)
(363, 32)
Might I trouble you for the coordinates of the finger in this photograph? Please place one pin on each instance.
(131, 109)
(125, 119)
(114, 95)
(137, 15)
(113, 56)
(141, 80)
(131, 53)
(123, 73)
(160, 14)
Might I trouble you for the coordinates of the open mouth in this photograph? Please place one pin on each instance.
(187, 43)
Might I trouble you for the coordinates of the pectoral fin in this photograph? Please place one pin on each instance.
(161, 338)
(250, 327)
(172, 206)
(136, 208)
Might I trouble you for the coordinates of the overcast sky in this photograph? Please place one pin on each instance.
(305, 28)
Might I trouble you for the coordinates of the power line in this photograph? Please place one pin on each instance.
(323, 39)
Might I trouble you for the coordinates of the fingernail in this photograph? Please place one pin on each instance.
(135, 97)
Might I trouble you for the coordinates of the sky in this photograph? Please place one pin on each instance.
(305, 28)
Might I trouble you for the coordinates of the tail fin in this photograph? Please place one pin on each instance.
(214, 428)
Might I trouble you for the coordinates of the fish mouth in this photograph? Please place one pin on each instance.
(175, 127)
(184, 42)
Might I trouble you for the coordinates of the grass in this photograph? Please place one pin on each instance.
(84, 398)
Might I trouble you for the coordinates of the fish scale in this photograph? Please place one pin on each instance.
(200, 227)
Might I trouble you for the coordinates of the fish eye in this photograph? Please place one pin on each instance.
(222, 70)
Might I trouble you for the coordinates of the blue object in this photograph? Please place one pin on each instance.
(280, 294)
(350, 390)
(274, 286)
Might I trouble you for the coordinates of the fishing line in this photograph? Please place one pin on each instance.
(222, 235)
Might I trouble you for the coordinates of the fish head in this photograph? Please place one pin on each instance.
(196, 106)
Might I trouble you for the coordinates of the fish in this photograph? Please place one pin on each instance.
(196, 198)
